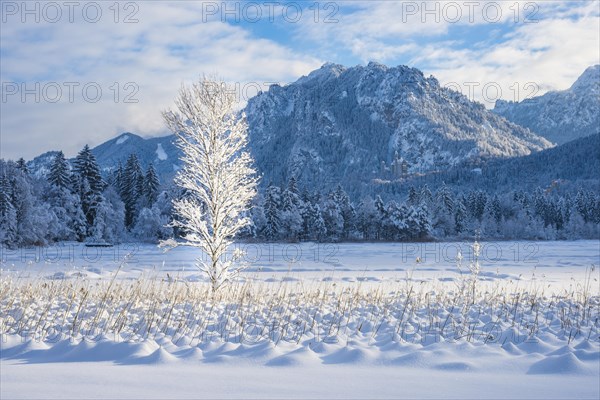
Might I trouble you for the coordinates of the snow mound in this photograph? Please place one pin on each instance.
(159, 356)
(562, 364)
(298, 357)
(356, 355)
(191, 354)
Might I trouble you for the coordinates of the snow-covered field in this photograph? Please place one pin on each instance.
(309, 320)
(554, 262)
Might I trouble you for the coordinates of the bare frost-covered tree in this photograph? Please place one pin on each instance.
(217, 175)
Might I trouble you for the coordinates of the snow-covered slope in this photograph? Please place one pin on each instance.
(40, 165)
(560, 116)
(339, 124)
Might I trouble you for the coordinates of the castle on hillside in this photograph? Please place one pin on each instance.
(398, 167)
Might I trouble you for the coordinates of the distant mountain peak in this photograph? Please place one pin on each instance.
(327, 71)
(560, 116)
(590, 79)
(375, 64)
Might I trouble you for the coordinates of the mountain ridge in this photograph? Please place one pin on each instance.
(356, 125)
(563, 115)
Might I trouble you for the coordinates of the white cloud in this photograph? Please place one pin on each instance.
(533, 59)
(169, 45)
(548, 44)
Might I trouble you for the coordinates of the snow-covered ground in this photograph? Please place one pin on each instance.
(556, 262)
(304, 321)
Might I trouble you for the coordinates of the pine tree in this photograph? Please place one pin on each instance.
(414, 198)
(585, 204)
(476, 202)
(367, 221)
(418, 222)
(86, 166)
(443, 212)
(293, 187)
(381, 218)
(132, 189)
(8, 214)
(119, 181)
(110, 213)
(87, 182)
(77, 221)
(22, 166)
(347, 211)
(559, 220)
(495, 209)
(32, 219)
(332, 215)
(444, 198)
(492, 217)
(316, 224)
(290, 198)
(426, 198)
(460, 216)
(89, 199)
(271, 208)
(60, 175)
(567, 206)
(290, 213)
(151, 185)
(396, 222)
(596, 209)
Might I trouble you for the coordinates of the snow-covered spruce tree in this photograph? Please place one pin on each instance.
(8, 213)
(460, 216)
(60, 176)
(86, 166)
(271, 208)
(318, 230)
(332, 215)
(291, 211)
(132, 188)
(347, 210)
(367, 221)
(151, 185)
(217, 175)
(443, 212)
(22, 165)
(109, 224)
(87, 183)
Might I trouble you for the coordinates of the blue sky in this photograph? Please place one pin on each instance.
(71, 79)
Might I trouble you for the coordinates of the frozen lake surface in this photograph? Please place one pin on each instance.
(554, 261)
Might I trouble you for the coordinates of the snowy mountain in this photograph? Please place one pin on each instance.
(160, 151)
(359, 124)
(560, 116)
